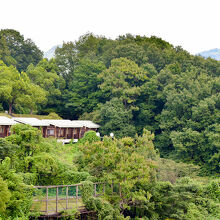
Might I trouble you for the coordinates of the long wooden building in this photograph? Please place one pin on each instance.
(60, 129)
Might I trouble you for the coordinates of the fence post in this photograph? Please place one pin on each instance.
(67, 197)
(47, 200)
(119, 189)
(103, 188)
(57, 199)
(77, 189)
(95, 190)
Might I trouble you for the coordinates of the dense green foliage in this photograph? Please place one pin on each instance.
(146, 83)
(131, 165)
(142, 191)
(126, 85)
(15, 50)
(17, 91)
(186, 199)
(19, 193)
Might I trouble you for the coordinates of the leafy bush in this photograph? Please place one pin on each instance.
(89, 136)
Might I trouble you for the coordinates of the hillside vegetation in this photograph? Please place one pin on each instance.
(150, 187)
(161, 103)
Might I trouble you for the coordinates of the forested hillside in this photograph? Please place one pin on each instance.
(133, 86)
(125, 85)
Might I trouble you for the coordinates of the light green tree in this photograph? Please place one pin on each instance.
(21, 195)
(127, 162)
(4, 195)
(124, 80)
(16, 89)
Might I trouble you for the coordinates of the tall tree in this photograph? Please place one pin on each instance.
(189, 120)
(24, 52)
(124, 80)
(16, 88)
(87, 46)
(5, 54)
(66, 60)
(114, 117)
(83, 93)
(126, 161)
(44, 74)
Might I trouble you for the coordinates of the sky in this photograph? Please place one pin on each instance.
(192, 24)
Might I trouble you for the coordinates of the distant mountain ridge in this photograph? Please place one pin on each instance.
(51, 53)
(213, 53)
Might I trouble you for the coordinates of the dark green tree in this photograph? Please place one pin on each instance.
(83, 94)
(114, 117)
(190, 116)
(44, 75)
(24, 52)
(66, 60)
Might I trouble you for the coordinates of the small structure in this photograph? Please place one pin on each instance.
(5, 124)
(62, 128)
(34, 122)
(86, 125)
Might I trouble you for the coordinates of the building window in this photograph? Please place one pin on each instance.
(62, 132)
(1, 129)
(50, 132)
